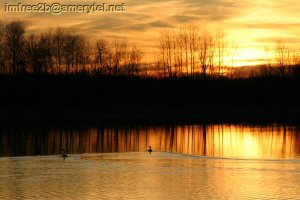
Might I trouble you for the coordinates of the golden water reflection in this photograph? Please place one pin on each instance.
(230, 141)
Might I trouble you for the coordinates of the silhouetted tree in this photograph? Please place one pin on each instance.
(184, 40)
(233, 48)
(14, 45)
(206, 52)
(33, 54)
(70, 47)
(2, 64)
(180, 52)
(79, 48)
(283, 57)
(193, 39)
(58, 39)
(166, 46)
(134, 61)
(47, 51)
(120, 57)
(220, 48)
(39, 53)
(85, 57)
(102, 56)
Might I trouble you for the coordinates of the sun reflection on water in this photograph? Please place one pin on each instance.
(229, 141)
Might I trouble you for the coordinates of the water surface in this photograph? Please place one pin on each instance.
(188, 162)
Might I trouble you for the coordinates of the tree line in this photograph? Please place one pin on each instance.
(61, 51)
(284, 60)
(187, 51)
(190, 52)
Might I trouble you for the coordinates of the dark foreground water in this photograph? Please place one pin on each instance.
(188, 162)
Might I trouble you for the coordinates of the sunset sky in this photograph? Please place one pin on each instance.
(252, 24)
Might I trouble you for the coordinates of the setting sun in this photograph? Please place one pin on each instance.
(253, 25)
(149, 99)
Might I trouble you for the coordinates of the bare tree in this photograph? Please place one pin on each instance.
(58, 39)
(192, 39)
(14, 44)
(102, 52)
(296, 58)
(50, 52)
(79, 50)
(167, 48)
(86, 57)
(184, 40)
(187, 48)
(47, 51)
(283, 57)
(205, 52)
(2, 64)
(172, 53)
(220, 48)
(163, 60)
(233, 57)
(33, 53)
(211, 55)
(180, 51)
(159, 69)
(267, 69)
(135, 61)
(38, 51)
(117, 56)
(69, 51)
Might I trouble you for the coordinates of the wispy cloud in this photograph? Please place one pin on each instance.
(252, 23)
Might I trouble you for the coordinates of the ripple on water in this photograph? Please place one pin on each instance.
(143, 176)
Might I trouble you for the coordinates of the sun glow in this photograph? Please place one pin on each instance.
(251, 57)
(251, 24)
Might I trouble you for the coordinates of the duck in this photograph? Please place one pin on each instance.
(64, 155)
(149, 150)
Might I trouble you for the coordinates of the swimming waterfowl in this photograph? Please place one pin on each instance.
(64, 155)
(149, 150)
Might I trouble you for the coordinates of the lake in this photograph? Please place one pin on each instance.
(219, 161)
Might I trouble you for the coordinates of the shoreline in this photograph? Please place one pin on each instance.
(147, 116)
(83, 100)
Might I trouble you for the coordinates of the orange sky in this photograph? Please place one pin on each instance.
(253, 24)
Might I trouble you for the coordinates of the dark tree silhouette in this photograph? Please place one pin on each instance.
(102, 56)
(185, 52)
(2, 64)
(135, 58)
(58, 39)
(33, 53)
(14, 45)
(46, 49)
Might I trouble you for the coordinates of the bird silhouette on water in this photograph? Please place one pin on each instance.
(64, 155)
(150, 150)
